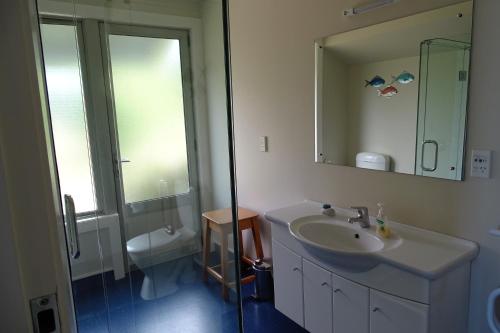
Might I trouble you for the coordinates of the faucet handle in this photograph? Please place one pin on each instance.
(362, 211)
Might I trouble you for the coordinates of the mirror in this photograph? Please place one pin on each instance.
(393, 96)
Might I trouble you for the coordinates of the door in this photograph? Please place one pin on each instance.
(350, 306)
(150, 88)
(442, 108)
(391, 314)
(318, 311)
(288, 283)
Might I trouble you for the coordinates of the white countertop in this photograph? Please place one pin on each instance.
(421, 251)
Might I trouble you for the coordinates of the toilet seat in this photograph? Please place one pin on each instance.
(152, 243)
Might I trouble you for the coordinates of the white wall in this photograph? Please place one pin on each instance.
(379, 124)
(273, 72)
(12, 307)
(216, 102)
(35, 220)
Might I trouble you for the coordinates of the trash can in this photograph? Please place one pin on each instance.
(263, 281)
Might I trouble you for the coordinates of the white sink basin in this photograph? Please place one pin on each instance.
(339, 242)
(333, 240)
(335, 237)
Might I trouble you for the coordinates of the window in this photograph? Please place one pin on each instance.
(67, 110)
(149, 106)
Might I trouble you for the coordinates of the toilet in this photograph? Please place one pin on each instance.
(493, 311)
(149, 251)
(374, 161)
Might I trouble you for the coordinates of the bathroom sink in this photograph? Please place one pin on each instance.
(341, 243)
(335, 237)
(348, 246)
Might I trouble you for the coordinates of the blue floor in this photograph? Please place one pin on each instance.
(195, 307)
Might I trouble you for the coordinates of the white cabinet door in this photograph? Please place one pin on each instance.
(351, 303)
(288, 283)
(317, 298)
(391, 314)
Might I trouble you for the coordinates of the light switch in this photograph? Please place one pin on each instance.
(480, 163)
(263, 144)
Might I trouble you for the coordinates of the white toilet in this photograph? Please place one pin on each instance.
(148, 251)
(493, 311)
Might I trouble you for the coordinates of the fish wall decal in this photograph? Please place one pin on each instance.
(376, 82)
(403, 78)
(388, 91)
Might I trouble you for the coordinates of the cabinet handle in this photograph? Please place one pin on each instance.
(324, 284)
(375, 309)
(337, 290)
(296, 269)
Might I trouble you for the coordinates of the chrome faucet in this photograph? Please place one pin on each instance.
(363, 218)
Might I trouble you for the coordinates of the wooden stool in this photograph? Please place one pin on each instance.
(221, 222)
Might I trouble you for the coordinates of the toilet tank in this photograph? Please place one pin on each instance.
(374, 161)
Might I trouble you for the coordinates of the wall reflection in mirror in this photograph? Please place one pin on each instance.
(393, 96)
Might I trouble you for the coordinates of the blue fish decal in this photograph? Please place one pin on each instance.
(403, 78)
(376, 82)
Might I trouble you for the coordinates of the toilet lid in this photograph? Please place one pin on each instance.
(152, 242)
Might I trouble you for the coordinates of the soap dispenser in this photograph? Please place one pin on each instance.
(382, 228)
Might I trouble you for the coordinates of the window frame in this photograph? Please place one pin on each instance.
(173, 201)
(101, 171)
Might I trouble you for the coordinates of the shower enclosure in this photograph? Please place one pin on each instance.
(444, 79)
(133, 90)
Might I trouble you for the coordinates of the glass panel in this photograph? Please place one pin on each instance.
(64, 82)
(67, 108)
(442, 108)
(147, 84)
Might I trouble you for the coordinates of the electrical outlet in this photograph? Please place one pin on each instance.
(263, 144)
(480, 163)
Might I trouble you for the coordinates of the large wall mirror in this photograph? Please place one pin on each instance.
(393, 96)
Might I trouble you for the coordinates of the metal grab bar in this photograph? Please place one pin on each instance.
(436, 155)
(74, 241)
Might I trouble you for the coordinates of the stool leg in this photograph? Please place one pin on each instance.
(206, 247)
(256, 239)
(223, 264)
(240, 235)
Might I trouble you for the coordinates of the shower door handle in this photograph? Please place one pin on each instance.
(436, 155)
(74, 241)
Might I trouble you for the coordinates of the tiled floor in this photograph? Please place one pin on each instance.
(195, 307)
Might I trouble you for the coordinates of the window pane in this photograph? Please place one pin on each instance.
(147, 85)
(68, 114)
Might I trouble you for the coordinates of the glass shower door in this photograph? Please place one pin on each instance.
(444, 76)
(76, 161)
(122, 99)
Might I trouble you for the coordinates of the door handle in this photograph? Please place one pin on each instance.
(124, 160)
(74, 241)
(436, 155)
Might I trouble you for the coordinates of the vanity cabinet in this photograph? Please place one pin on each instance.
(318, 307)
(391, 314)
(288, 292)
(324, 302)
(332, 303)
(350, 306)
